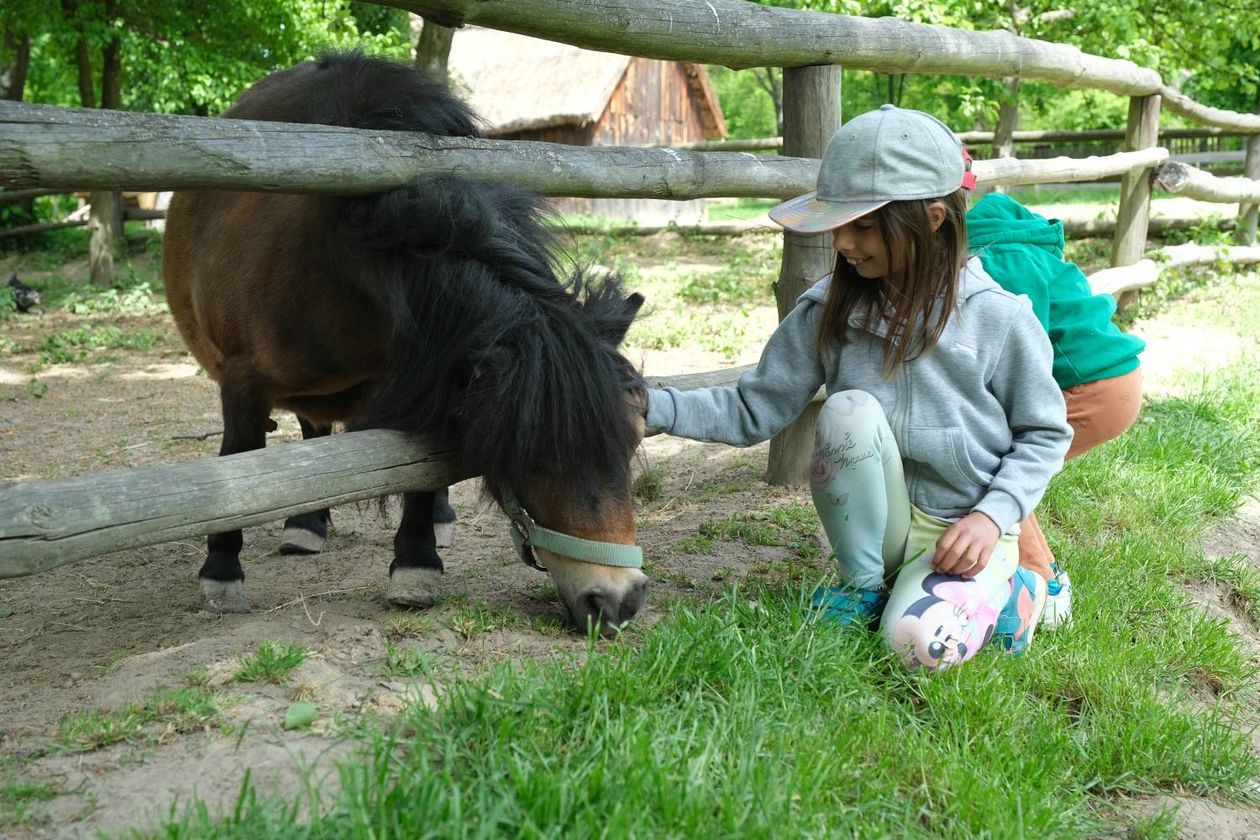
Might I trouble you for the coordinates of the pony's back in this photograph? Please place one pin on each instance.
(355, 91)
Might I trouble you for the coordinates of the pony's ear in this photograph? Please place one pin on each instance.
(629, 310)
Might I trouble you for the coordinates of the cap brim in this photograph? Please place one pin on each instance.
(809, 214)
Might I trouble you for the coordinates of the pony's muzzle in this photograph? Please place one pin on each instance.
(606, 597)
(609, 611)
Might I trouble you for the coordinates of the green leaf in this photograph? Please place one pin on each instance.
(300, 715)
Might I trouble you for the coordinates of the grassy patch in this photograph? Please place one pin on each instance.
(407, 661)
(165, 712)
(17, 796)
(271, 663)
(791, 526)
(473, 620)
(82, 342)
(740, 208)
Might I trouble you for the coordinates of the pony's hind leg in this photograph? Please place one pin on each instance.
(245, 419)
(443, 518)
(416, 570)
(306, 532)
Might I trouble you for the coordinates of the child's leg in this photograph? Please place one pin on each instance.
(1097, 412)
(859, 488)
(934, 620)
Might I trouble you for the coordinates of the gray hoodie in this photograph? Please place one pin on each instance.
(979, 420)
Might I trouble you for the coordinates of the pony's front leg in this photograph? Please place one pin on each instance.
(305, 533)
(443, 518)
(245, 419)
(416, 570)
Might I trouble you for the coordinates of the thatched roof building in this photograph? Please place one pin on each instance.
(530, 89)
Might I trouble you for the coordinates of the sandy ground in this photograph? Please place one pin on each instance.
(106, 632)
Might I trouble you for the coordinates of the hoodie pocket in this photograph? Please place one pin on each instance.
(939, 458)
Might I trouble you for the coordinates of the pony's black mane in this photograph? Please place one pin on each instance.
(490, 346)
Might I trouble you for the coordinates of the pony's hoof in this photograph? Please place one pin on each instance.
(298, 540)
(411, 587)
(224, 596)
(444, 533)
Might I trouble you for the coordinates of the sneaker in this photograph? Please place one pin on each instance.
(1018, 620)
(845, 605)
(1059, 604)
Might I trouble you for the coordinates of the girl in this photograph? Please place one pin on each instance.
(943, 424)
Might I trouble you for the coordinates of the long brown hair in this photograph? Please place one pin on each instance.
(917, 303)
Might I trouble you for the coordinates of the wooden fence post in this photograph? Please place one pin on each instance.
(811, 114)
(1245, 230)
(1134, 215)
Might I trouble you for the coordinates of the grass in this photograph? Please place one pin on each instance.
(17, 797)
(165, 712)
(740, 717)
(271, 663)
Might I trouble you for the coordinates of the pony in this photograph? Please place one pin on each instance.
(431, 308)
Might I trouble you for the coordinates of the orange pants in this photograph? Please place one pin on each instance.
(1097, 412)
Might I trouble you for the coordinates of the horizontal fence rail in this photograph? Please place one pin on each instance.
(46, 524)
(739, 34)
(1179, 178)
(47, 146)
(970, 138)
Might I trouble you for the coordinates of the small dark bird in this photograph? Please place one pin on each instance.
(23, 295)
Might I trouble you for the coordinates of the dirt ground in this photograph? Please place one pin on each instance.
(106, 632)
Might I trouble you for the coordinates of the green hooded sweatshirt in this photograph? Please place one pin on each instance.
(1023, 252)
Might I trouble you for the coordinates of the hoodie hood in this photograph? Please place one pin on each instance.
(998, 219)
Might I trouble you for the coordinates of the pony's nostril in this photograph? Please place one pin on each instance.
(634, 600)
(608, 612)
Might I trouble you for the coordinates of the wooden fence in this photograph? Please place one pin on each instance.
(45, 148)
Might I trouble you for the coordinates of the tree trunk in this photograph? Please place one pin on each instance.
(17, 60)
(105, 226)
(811, 114)
(433, 49)
(1008, 122)
(13, 66)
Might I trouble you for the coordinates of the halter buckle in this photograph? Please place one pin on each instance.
(523, 527)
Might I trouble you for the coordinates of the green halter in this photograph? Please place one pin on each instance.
(528, 535)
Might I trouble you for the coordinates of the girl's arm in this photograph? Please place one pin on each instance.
(762, 402)
(1035, 411)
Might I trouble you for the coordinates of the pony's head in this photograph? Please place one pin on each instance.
(559, 443)
(517, 364)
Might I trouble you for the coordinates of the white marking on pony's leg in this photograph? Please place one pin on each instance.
(224, 596)
(297, 540)
(444, 533)
(412, 587)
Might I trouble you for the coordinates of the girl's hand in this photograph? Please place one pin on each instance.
(966, 547)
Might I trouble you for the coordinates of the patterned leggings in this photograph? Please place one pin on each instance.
(880, 539)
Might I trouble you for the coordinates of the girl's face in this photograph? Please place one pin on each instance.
(861, 242)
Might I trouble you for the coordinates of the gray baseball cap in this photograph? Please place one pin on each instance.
(889, 154)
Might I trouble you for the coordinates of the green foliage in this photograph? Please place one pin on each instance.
(80, 343)
(194, 57)
(8, 303)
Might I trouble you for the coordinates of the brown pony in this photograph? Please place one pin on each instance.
(430, 308)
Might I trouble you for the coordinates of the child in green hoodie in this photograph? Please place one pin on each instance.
(1095, 364)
